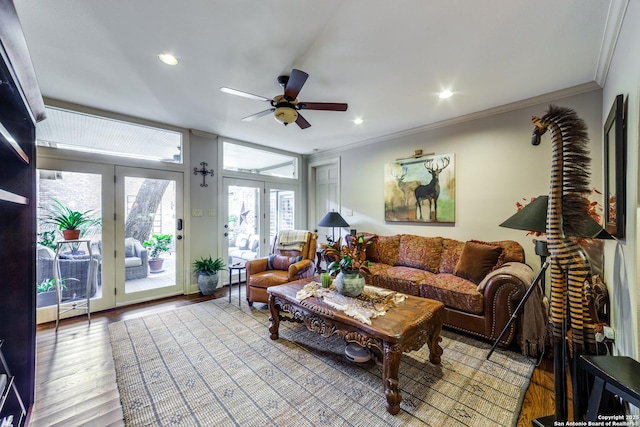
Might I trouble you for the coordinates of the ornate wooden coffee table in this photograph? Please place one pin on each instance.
(406, 327)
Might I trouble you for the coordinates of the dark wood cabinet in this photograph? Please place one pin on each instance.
(21, 107)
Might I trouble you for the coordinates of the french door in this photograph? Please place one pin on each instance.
(253, 213)
(148, 234)
(139, 200)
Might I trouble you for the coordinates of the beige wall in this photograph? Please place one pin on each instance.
(622, 275)
(203, 229)
(496, 165)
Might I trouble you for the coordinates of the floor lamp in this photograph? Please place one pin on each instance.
(333, 219)
(533, 217)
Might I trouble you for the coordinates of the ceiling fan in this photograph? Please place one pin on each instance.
(286, 107)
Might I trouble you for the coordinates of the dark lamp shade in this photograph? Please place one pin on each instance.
(533, 217)
(333, 219)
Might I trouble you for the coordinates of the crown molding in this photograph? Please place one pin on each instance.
(540, 99)
(615, 17)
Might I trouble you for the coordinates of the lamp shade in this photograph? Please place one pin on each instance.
(333, 219)
(533, 217)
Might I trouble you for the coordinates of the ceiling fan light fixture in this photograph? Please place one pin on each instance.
(285, 114)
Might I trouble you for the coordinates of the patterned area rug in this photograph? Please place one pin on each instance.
(213, 364)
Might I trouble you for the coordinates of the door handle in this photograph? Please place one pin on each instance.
(179, 237)
(179, 224)
(226, 234)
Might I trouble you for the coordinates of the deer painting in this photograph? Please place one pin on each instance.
(431, 191)
(406, 187)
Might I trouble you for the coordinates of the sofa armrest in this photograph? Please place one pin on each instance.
(256, 266)
(301, 269)
(502, 292)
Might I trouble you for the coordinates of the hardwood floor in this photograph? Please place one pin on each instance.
(75, 376)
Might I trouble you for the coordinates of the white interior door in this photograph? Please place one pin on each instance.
(326, 195)
(148, 234)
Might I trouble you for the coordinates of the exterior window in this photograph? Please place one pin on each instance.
(241, 158)
(77, 131)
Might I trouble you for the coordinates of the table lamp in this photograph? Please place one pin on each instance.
(333, 219)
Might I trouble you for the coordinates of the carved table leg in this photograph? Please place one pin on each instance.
(275, 318)
(435, 351)
(390, 367)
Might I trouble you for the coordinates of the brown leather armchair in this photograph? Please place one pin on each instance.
(288, 243)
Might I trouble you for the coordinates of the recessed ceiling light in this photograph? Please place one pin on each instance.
(445, 94)
(168, 59)
(358, 121)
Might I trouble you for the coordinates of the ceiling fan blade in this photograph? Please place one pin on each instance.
(244, 94)
(302, 122)
(258, 115)
(331, 106)
(295, 83)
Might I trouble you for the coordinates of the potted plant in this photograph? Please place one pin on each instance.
(47, 291)
(350, 258)
(207, 271)
(71, 223)
(157, 245)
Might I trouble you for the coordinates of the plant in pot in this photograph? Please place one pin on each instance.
(157, 245)
(47, 291)
(207, 271)
(71, 223)
(349, 259)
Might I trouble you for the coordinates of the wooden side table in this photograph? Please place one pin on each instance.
(614, 375)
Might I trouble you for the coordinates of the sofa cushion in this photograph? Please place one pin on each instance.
(373, 269)
(132, 261)
(451, 250)
(280, 262)
(269, 278)
(455, 292)
(401, 279)
(420, 252)
(384, 249)
(477, 260)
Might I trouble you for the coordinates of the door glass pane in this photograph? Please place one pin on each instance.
(149, 245)
(60, 193)
(243, 222)
(281, 209)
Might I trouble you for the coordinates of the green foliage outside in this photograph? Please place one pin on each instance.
(158, 245)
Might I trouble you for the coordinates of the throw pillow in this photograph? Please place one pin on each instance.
(129, 249)
(477, 260)
(280, 262)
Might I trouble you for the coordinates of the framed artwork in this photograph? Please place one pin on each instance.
(615, 169)
(420, 190)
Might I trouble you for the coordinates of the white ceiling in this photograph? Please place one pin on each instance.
(388, 60)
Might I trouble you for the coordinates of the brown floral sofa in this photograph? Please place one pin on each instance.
(454, 273)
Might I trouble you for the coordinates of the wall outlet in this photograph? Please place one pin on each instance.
(609, 333)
